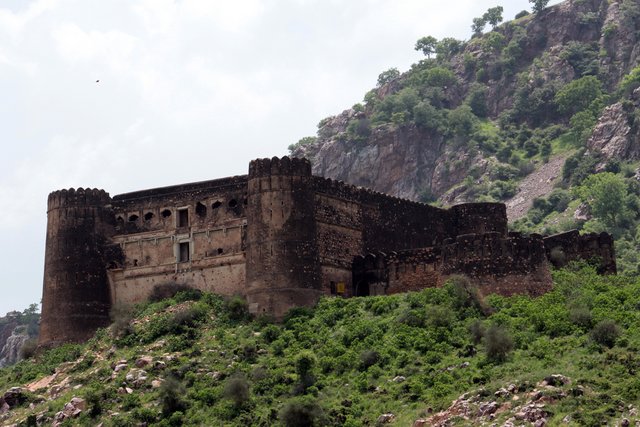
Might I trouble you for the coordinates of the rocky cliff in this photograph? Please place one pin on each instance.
(518, 67)
(16, 329)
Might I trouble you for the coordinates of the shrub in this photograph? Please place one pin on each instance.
(301, 412)
(236, 389)
(237, 308)
(476, 329)
(121, 316)
(498, 343)
(369, 358)
(605, 333)
(581, 316)
(171, 395)
(28, 349)
(166, 290)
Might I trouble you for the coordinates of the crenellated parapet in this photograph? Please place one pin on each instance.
(78, 198)
(596, 248)
(279, 166)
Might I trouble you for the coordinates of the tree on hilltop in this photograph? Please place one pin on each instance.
(427, 45)
(493, 16)
(539, 5)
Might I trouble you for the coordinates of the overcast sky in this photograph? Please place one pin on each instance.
(188, 90)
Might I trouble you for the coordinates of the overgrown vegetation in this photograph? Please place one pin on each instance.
(347, 361)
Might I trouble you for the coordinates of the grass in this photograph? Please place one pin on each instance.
(341, 362)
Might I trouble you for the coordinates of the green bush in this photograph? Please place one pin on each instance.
(237, 308)
(171, 394)
(301, 412)
(498, 343)
(605, 333)
(236, 389)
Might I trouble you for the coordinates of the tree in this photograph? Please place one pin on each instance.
(539, 5)
(447, 47)
(387, 76)
(427, 45)
(493, 16)
(478, 26)
(578, 95)
(606, 195)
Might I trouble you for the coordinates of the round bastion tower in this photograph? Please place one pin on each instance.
(283, 269)
(76, 297)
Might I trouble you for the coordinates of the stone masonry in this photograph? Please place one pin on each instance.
(280, 237)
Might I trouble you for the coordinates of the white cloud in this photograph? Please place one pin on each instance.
(189, 89)
(113, 48)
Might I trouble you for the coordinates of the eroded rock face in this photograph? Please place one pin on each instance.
(408, 162)
(616, 136)
(10, 352)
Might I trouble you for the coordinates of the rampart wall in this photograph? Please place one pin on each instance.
(571, 246)
(496, 263)
(282, 238)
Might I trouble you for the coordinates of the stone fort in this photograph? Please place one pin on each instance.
(281, 238)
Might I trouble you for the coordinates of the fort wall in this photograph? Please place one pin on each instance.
(282, 238)
(571, 246)
(192, 235)
(500, 264)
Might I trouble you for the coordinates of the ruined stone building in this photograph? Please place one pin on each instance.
(281, 238)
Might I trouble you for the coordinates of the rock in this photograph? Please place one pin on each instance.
(136, 377)
(420, 423)
(159, 365)
(488, 408)
(156, 384)
(556, 380)
(386, 418)
(511, 388)
(120, 367)
(540, 423)
(464, 364)
(399, 379)
(625, 422)
(79, 403)
(502, 393)
(15, 396)
(4, 407)
(143, 361)
(10, 352)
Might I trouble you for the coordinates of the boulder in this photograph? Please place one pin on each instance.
(144, 361)
(386, 418)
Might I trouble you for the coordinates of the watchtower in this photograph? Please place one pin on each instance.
(283, 269)
(76, 298)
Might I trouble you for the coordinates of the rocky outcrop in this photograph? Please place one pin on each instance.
(403, 161)
(407, 161)
(617, 135)
(10, 352)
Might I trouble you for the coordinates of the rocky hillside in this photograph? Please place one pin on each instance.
(439, 357)
(17, 329)
(446, 128)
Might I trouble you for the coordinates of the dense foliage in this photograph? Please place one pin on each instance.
(347, 361)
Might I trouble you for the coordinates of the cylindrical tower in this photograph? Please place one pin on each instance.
(76, 298)
(283, 269)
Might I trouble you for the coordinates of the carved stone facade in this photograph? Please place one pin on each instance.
(279, 236)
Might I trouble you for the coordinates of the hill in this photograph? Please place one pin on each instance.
(522, 114)
(569, 357)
